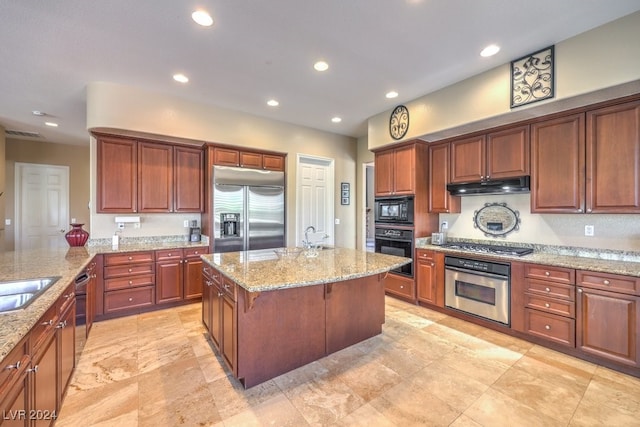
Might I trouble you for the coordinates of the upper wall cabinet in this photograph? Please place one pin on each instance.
(144, 176)
(587, 163)
(248, 159)
(117, 176)
(557, 165)
(395, 171)
(496, 155)
(440, 200)
(613, 159)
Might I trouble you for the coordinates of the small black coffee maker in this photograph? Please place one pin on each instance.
(194, 231)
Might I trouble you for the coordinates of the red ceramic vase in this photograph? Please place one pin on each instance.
(77, 236)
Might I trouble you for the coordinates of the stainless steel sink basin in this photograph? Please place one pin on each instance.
(18, 294)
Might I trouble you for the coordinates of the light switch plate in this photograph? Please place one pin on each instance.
(588, 230)
(337, 221)
(7, 221)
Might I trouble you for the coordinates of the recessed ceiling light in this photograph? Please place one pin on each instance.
(272, 103)
(392, 94)
(181, 78)
(336, 120)
(38, 113)
(321, 66)
(53, 125)
(202, 18)
(490, 50)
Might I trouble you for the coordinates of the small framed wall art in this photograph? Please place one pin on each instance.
(532, 77)
(344, 193)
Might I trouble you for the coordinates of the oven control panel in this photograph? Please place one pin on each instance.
(475, 265)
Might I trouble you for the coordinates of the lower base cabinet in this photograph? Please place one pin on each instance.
(608, 325)
(401, 286)
(219, 314)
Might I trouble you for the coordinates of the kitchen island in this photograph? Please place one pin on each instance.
(267, 316)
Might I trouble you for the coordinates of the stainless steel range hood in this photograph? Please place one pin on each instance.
(498, 186)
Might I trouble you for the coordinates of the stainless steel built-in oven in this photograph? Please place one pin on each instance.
(394, 210)
(398, 242)
(480, 288)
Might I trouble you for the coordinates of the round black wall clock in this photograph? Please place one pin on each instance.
(399, 122)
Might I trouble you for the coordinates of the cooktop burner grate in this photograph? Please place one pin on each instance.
(489, 249)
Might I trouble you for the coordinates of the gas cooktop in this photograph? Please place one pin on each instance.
(488, 249)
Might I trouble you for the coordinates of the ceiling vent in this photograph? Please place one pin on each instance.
(21, 133)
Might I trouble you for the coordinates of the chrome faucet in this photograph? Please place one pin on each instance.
(306, 243)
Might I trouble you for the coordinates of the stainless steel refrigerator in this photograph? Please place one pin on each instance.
(248, 209)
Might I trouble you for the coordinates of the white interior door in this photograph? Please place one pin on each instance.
(315, 198)
(42, 205)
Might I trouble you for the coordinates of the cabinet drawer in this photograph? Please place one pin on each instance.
(127, 299)
(609, 282)
(555, 274)
(425, 254)
(195, 252)
(400, 286)
(229, 288)
(550, 289)
(555, 328)
(127, 270)
(13, 364)
(43, 328)
(129, 282)
(168, 254)
(211, 273)
(128, 257)
(551, 305)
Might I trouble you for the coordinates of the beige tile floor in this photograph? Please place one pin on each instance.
(426, 368)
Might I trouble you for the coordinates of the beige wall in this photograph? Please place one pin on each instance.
(364, 156)
(76, 157)
(3, 196)
(124, 109)
(605, 57)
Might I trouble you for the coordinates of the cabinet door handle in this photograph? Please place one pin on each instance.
(61, 325)
(49, 323)
(15, 366)
(220, 294)
(34, 369)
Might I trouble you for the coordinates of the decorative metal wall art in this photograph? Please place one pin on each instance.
(496, 219)
(399, 122)
(532, 77)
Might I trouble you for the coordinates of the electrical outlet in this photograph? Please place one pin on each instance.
(136, 225)
(7, 221)
(445, 225)
(588, 230)
(121, 226)
(337, 221)
(73, 220)
(186, 223)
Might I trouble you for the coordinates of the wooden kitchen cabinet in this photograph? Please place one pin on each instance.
(430, 277)
(608, 316)
(613, 153)
(137, 176)
(66, 329)
(440, 200)
(129, 281)
(14, 386)
(496, 155)
(558, 165)
(400, 286)
(395, 171)
(247, 159)
(188, 179)
(544, 302)
(179, 274)
(117, 166)
(219, 314)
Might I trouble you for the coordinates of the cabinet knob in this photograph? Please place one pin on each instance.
(196, 252)
(547, 289)
(130, 299)
(606, 282)
(131, 282)
(579, 210)
(546, 304)
(579, 290)
(547, 327)
(130, 258)
(169, 254)
(14, 366)
(546, 273)
(220, 294)
(401, 286)
(589, 210)
(130, 270)
(34, 369)
(49, 323)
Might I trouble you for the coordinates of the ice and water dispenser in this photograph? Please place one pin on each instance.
(229, 225)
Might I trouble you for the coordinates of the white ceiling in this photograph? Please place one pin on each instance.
(258, 49)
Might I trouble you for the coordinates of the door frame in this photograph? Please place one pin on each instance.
(363, 200)
(17, 205)
(330, 197)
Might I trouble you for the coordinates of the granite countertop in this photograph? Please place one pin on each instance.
(66, 263)
(604, 261)
(261, 270)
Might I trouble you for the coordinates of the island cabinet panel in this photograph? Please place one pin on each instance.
(14, 386)
(613, 159)
(365, 318)
(280, 331)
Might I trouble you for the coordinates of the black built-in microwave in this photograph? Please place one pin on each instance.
(394, 210)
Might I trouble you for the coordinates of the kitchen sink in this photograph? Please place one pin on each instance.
(18, 294)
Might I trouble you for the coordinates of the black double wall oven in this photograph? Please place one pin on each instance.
(394, 233)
